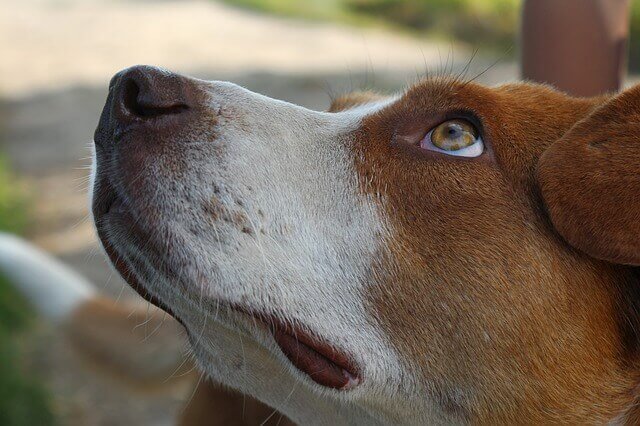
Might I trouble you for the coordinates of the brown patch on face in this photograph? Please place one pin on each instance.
(351, 100)
(478, 292)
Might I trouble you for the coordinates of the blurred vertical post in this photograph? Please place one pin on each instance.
(579, 46)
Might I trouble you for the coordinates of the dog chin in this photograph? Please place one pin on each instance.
(251, 364)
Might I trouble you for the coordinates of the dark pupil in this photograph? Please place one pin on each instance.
(453, 131)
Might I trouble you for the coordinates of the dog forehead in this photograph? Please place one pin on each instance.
(518, 121)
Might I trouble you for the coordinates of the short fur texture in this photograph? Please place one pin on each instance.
(591, 184)
(468, 291)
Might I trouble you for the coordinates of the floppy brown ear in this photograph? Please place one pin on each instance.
(590, 181)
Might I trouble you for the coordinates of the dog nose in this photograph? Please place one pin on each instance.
(145, 99)
(144, 93)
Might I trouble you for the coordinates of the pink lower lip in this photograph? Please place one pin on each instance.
(323, 363)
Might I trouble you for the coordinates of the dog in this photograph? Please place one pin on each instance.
(455, 254)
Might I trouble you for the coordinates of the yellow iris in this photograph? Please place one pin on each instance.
(454, 135)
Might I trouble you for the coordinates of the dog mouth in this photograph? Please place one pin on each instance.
(321, 362)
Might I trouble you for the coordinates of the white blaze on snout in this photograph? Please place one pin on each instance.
(305, 237)
(292, 235)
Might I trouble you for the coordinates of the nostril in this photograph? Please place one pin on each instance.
(151, 111)
(146, 106)
(130, 96)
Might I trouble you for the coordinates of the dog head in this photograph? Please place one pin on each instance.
(453, 254)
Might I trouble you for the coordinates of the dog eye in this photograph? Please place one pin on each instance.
(454, 137)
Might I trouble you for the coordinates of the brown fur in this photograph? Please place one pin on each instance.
(213, 405)
(488, 303)
(503, 286)
(352, 100)
(591, 182)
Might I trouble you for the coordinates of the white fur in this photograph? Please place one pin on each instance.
(302, 246)
(53, 289)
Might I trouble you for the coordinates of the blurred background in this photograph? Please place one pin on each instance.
(57, 59)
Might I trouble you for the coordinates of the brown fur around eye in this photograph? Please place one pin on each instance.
(517, 324)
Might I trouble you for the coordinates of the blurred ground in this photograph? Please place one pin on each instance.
(58, 56)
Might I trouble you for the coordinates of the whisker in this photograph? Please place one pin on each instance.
(195, 388)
